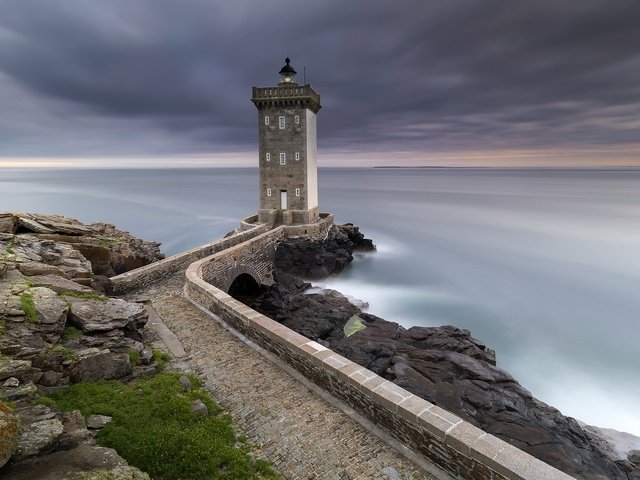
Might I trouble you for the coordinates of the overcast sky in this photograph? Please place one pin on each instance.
(450, 82)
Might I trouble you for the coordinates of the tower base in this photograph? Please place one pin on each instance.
(275, 217)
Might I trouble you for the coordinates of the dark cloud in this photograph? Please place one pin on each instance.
(159, 76)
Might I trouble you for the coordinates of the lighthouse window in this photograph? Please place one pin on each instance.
(283, 159)
(268, 157)
(281, 121)
(266, 120)
(297, 155)
(296, 119)
(268, 192)
(297, 192)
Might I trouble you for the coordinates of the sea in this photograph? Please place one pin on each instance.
(542, 265)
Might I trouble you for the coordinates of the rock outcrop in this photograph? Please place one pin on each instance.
(57, 328)
(48, 243)
(444, 365)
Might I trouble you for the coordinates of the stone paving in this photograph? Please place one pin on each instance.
(301, 434)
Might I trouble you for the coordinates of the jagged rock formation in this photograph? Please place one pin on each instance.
(57, 328)
(444, 365)
(109, 250)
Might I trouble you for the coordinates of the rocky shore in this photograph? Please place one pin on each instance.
(444, 365)
(58, 328)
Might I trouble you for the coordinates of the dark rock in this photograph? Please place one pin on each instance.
(61, 465)
(53, 379)
(444, 365)
(318, 259)
(94, 364)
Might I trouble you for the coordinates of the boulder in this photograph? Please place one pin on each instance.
(7, 223)
(12, 394)
(37, 268)
(59, 284)
(199, 408)
(78, 463)
(38, 437)
(94, 364)
(10, 433)
(96, 422)
(94, 316)
(74, 430)
(185, 382)
(52, 310)
(10, 367)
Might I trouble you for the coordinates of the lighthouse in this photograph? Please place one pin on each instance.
(287, 150)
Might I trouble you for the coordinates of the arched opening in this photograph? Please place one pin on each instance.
(244, 288)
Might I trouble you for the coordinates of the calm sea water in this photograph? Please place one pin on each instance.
(542, 265)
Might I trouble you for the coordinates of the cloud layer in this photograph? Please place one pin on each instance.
(159, 77)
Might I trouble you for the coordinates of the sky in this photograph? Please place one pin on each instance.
(410, 82)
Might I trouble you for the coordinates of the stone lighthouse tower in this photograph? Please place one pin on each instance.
(288, 150)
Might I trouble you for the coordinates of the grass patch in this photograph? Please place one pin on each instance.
(134, 356)
(10, 249)
(71, 332)
(160, 357)
(28, 306)
(154, 429)
(85, 296)
(108, 241)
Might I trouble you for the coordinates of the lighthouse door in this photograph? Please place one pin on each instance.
(283, 199)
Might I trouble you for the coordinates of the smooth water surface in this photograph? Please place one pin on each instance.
(542, 265)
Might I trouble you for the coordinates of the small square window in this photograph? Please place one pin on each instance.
(281, 122)
(268, 192)
(283, 159)
(296, 119)
(266, 119)
(268, 157)
(297, 155)
(297, 192)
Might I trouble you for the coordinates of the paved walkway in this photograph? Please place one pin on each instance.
(301, 434)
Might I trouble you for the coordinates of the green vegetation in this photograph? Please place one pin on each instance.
(108, 241)
(160, 357)
(134, 356)
(10, 249)
(154, 429)
(62, 350)
(71, 332)
(85, 296)
(28, 306)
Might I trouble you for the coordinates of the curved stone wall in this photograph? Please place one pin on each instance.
(456, 446)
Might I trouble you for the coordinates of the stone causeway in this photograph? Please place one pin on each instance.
(269, 389)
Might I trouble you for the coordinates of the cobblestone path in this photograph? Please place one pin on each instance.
(301, 434)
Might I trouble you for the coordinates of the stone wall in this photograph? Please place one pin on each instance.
(249, 228)
(154, 271)
(456, 446)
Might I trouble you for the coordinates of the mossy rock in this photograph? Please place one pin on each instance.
(10, 432)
